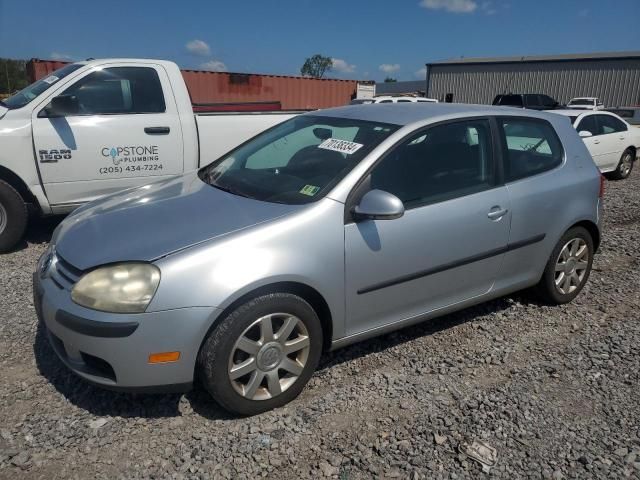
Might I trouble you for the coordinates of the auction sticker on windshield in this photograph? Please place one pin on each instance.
(342, 146)
(309, 190)
(50, 79)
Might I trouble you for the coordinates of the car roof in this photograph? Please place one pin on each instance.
(584, 98)
(420, 112)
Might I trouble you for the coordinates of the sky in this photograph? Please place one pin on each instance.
(367, 39)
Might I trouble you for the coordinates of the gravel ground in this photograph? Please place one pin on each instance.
(554, 390)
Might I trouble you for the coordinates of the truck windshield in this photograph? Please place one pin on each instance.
(24, 96)
(581, 101)
(297, 161)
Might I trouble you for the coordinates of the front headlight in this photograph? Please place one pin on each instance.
(123, 288)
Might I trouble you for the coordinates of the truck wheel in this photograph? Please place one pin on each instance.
(623, 170)
(261, 355)
(13, 217)
(568, 268)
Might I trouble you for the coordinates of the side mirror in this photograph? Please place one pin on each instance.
(378, 205)
(585, 134)
(62, 105)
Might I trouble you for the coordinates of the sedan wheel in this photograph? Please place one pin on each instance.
(571, 266)
(269, 356)
(625, 165)
(568, 267)
(261, 355)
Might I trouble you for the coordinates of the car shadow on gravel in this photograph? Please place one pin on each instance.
(101, 402)
(38, 231)
(426, 328)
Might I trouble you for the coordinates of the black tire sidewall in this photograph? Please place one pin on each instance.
(17, 216)
(214, 355)
(547, 287)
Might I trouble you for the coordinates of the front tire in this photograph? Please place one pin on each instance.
(568, 268)
(262, 354)
(625, 165)
(13, 217)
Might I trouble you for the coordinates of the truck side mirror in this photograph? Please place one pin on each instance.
(62, 106)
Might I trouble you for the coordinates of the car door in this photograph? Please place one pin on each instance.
(613, 137)
(597, 148)
(448, 245)
(126, 132)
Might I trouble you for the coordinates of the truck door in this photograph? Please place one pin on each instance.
(119, 128)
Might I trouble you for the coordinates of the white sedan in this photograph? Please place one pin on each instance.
(612, 142)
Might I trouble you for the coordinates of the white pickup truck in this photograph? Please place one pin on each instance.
(96, 127)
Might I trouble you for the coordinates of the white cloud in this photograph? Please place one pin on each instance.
(342, 66)
(488, 8)
(214, 66)
(198, 47)
(61, 56)
(453, 6)
(389, 67)
(422, 73)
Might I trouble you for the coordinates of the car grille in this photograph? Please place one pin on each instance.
(63, 274)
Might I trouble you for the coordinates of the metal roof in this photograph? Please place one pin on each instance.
(573, 57)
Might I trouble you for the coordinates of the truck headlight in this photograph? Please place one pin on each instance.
(123, 288)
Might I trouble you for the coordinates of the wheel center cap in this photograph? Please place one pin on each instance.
(269, 356)
(571, 265)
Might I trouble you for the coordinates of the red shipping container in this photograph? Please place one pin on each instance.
(293, 93)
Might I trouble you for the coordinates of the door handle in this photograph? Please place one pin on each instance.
(157, 130)
(596, 141)
(497, 213)
(621, 137)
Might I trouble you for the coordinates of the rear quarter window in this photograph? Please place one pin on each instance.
(531, 147)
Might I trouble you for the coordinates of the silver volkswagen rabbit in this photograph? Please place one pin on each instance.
(330, 228)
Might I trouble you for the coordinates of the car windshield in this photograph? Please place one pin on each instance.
(298, 161)
(581, 101)
(24, 96)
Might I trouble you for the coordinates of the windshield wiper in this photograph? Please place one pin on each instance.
(230, 190)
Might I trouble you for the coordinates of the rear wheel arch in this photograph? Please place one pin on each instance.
(593, 230)
(18, 184)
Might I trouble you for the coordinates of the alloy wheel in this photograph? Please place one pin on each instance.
(269, 356)
(626, 164)
(571, 266)
(3, 218)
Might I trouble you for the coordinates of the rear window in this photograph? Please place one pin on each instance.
(532, 147)
(622, 112)
(509, 100)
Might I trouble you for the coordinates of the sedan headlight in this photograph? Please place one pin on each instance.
(123, 288)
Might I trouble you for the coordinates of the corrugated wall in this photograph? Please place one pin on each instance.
(220, 87)
(616, 82)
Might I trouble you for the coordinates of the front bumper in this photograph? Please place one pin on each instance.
(112, 350)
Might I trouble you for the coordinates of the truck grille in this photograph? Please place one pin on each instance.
(63, 274)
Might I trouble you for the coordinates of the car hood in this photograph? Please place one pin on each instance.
(146, 223)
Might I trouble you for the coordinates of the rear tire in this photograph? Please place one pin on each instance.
(568, 268)
(262, 354)
(13, 217)
(625, 165)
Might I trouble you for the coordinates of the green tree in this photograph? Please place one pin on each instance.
(316, 66)
(13, 75)
(390, 80)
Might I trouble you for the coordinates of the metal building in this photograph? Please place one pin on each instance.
(613, 77)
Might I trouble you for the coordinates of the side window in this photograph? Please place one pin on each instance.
(588, 124)
(438, 164)
(547, 102)
(404, 101)
(119, 90)
(386, 101)
(531, 101)
(609, 124)
(532, 147)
